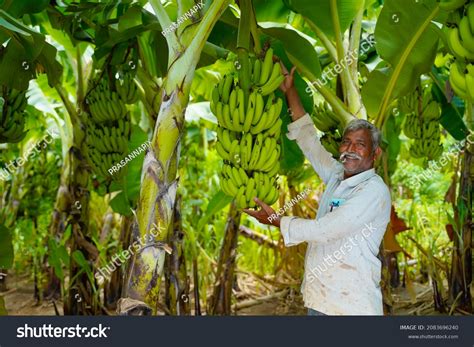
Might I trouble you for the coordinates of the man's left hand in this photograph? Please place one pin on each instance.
(266, 215)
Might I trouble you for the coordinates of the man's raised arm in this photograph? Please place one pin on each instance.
(303, 131)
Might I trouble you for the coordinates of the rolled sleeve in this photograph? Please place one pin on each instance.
(295, 127)
(304, 132)
(372, 205)
(285, 230)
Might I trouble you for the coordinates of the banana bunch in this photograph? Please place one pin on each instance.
(330, 142)
(236, 182)
(324, 118)
(451, 5)
(248, 132)
(108, 128)
(462, 81)
(229, 109)
(411, 126)
(430, 148)
(424, 129)
(461, 37)
(267, 75)
(12, 119)
(127, 89)
(326, 121)
(105, 104)
(260, 153)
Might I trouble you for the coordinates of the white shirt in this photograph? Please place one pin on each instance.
(342, 271)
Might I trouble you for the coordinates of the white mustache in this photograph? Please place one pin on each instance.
(349, 155)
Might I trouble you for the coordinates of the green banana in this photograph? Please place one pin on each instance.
(272, 86)
(466, 34)
(266, 67)
(451, 5)
(226, 90)
(250, 112)
(222, 152)
(257, 68)
(456, 46)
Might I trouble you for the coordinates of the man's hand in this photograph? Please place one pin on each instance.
(292, 97)
(266, 215)
(289, 81)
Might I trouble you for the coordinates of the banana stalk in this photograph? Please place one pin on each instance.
(158, 185)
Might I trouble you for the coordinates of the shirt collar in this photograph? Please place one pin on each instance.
(357, 179)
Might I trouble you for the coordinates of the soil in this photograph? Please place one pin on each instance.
(257, 298)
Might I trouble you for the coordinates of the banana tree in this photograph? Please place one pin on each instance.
(31, 55)
(158, 185)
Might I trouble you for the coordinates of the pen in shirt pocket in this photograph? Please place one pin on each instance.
(335, 203)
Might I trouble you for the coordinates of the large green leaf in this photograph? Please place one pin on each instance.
(83, 263)
(217, 203)
(319, 12)
(391, 136)
(6, 248)
(26, 53)
(298, 47)
(406, 39)
(271, 11)
(20, 7)
(291, 156)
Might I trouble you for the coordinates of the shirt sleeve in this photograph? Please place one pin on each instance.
(369, 207)
(304, 132)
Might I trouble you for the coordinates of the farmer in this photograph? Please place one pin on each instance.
(342, 271)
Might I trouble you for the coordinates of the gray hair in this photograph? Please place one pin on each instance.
(358, 124)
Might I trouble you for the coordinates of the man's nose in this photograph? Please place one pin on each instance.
(350, 147)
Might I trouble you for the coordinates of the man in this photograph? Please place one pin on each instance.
(342, 271)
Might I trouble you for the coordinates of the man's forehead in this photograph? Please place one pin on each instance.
(359, 134)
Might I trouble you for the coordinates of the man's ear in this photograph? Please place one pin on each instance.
(378, 153)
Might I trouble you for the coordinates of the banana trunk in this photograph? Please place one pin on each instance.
(220, 302)
(158, 186)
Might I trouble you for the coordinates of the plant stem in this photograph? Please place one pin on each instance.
(165, 23)
(254, 31)
(324, 40)
(336, 104)
(243, 46)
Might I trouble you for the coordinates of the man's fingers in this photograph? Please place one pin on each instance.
(283, 68)
(292, 72)
(264, 206)
(250, 212)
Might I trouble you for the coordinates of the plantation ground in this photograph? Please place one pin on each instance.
(258, 300)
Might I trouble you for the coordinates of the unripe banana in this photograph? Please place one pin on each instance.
(222, 152)
(227, 87)
(456, 46)
(257, 68)
(266, 67)
(451, 5)
(466, 34)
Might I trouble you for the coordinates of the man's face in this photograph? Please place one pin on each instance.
(356, 152)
